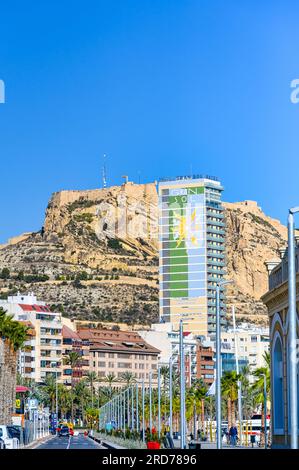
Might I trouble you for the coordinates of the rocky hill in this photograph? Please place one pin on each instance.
(96, 256)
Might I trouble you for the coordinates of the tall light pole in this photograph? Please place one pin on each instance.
(265, 409)
(150, 402)
(54, 364)
(159, 401)
(182, 387)
(219, 285)
(237, 370)
(137, 409)
(292, 328)
(170, 397)
(143, 412)
(132, 408)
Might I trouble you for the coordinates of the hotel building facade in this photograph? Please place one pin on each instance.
(191, 251)
(42, 352)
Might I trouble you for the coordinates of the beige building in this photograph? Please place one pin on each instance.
(117, 352)
(276, 300)
(72, 342)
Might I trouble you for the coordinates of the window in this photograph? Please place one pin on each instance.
(111, 355)
(124, 365)
(101, 364)
(124, 356)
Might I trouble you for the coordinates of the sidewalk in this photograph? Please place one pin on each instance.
(38, 442)
(212, 445)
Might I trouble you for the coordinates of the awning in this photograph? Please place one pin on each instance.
(21, 388)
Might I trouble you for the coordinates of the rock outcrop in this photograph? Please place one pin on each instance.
(96, 256)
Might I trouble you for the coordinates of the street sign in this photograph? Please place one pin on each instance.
(32, 403)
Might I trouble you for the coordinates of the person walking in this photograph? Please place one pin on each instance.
(233, 435)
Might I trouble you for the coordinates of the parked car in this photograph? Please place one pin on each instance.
(10, 441)
(16, 431)
(64, 431)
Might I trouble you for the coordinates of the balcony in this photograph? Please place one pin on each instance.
(210, 229)
(213, 304)
(219, 239)
(215, 279)
(216, 247)
(210, 213)
(216, 263)
(215, 205)
(220, 256)
(212, 270)
(216, 223)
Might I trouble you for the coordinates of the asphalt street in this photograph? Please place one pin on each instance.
(75, 442)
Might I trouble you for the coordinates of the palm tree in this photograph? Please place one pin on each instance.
(128, 377)
(91, 377)
(49, 391)
(72, 359)
(248, 403)
(229, 385)
(258, 387)
(13, 335)
(81, 396)
(111, 379)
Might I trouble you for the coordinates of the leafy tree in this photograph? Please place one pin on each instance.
(260, 375)
(5, 273)
(229, 385)
(73, 360)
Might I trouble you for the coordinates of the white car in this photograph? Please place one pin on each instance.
(10, 442)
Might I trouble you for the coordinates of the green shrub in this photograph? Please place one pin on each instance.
(114, 243)
(84, 217)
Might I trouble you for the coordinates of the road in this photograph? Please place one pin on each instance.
(75, 442)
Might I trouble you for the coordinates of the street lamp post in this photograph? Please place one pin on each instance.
(237, 370)
(128, 407)
(137, 408)
(124, 411)
(143, 412)
(170, 397)
(292, 329)
(54, 364)
(265, 409)
(159, 402)
(150, 402)
(132, 408)
(218, 363)
(182, 387)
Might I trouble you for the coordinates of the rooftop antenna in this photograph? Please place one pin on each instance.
(104, 174)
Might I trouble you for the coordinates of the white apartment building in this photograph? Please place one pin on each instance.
(163, 337)
(252, 341)
(42, 354)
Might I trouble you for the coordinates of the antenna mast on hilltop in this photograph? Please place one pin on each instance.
(104, 173)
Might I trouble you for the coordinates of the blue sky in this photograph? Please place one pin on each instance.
(161, 86)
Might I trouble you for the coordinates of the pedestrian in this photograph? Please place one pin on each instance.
(233, 434)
